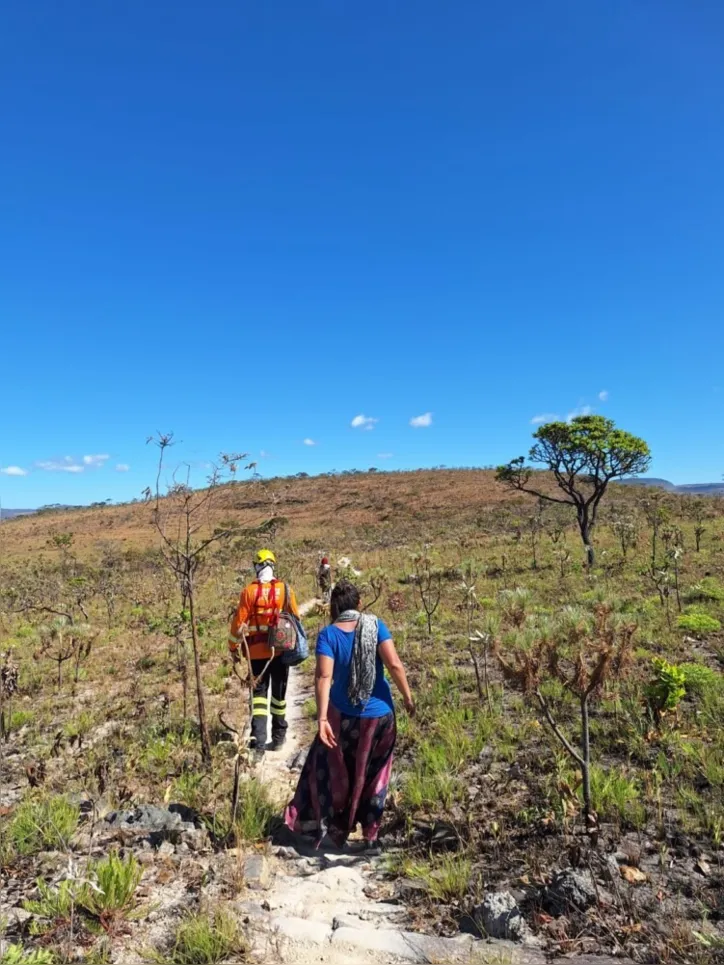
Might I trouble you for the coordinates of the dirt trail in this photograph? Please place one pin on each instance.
(322, 907)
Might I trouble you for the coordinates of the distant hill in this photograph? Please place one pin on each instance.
(693, 489)
(9, 513)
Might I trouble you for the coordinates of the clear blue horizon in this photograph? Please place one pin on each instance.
(258, 224)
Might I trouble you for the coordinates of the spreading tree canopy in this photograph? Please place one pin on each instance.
(583, 455)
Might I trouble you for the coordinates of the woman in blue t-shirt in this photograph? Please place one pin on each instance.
(347, 772)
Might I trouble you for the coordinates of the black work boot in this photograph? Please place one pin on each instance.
(278, 740)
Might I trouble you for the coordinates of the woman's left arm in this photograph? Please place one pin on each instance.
(322, 686)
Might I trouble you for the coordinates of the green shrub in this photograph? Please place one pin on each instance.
(665, 690)
(698, 622)
(106, 890)
(698, 677)
(17, 955)
(188, 788)
(446, 878)
(615, 796)
(117, 878)
(705, 590)
(44, 823)
(256, 811)
(79, 725)
(54, 902)
(206, 940)
(20, 718)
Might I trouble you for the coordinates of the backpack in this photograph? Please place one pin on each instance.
(283, 632)
(292, 658)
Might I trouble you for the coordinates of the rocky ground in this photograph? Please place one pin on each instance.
(294, 904)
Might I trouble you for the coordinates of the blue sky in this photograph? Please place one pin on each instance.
(251, 223)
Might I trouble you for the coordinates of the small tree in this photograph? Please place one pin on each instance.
(535, 526)
(579, 651)
(61, 641)
(9, 678)
(183, 521)
(699, 511)
(374, 585)
(657, 513)
(428, 583)
(583, 455)
(479, 637)
(623, 526)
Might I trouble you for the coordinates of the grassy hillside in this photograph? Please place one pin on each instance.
(341, 508)
(485, 795)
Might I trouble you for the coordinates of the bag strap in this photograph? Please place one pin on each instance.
(258, 596)
(285, 608)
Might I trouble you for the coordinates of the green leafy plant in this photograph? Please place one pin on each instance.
(667, 688)
(698, 677)
(116, 879)
(446, 878)
(43, 823)
(616, 796)
(54, 902)
(256, 811)
(20, 718)
(17, 955)
(704, 591)
(698, 623)
(189, 789)
(203, 939)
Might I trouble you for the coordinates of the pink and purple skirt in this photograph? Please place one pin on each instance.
(341, 788)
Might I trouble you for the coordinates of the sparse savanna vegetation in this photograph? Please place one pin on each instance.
(570, 704)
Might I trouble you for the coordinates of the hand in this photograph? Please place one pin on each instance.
(410, 706)
(326, 734)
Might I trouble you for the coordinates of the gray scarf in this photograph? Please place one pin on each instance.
(363, 666)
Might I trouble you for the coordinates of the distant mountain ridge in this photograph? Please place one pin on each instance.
(9, 513)
(693, 489)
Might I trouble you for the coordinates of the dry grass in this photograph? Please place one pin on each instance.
(332, 505)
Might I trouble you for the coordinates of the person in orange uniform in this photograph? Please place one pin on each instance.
(258, 603)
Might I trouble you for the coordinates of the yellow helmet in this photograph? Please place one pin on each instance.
(265, 556)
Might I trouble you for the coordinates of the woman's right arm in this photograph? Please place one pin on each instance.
(322, 685)
(391, 660)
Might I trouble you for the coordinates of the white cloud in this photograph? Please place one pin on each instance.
(539, 420)
(309, 442)
(122, 467)
(14, 471)
(421, 421)
(95, 461)
(580, 410)
(67, 464)
(385, 455)
(603, 395)
(364, 422)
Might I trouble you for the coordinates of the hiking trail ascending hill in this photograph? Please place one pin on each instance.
(312, 906)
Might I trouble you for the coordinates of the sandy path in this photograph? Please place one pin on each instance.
(323, 907)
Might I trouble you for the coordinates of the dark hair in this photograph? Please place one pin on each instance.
(345, 596)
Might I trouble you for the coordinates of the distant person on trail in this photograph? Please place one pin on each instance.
(347, 772)
(324, 579)
(258, 604)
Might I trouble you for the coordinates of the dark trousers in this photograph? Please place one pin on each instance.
(277, 673)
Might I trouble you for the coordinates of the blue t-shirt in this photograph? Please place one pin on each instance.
(337, 644)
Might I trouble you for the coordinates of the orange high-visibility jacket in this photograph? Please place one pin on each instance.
(256, 604)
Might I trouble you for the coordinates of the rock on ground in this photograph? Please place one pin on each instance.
(569, 890)
(500, 917)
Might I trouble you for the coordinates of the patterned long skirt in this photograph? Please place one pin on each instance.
(341, 788)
